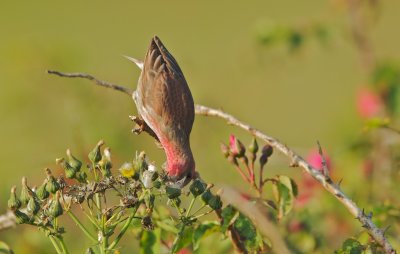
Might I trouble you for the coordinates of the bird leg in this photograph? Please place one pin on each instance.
(141, 126)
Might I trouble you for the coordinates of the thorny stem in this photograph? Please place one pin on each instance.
(296, 160)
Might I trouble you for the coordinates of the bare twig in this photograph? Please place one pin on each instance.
(90, 77)
(295, 160)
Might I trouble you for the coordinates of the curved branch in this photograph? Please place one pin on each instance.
(296, 160)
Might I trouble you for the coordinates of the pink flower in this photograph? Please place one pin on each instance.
(369, 104)
(236, 147)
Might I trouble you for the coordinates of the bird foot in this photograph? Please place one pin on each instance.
(141, 126)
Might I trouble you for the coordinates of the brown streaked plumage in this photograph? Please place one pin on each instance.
(165, 103)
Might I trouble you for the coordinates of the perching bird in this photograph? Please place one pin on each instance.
(165, 103)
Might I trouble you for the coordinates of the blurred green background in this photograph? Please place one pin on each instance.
(298, 97)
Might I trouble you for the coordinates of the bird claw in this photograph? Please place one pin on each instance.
(141, 126)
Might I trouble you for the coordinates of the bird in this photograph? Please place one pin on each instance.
(166, 110)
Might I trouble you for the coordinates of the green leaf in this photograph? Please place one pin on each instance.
(183, 239)
(228, 213)
(350, 246)
(285, 190)
(4, 248)
(247, 231)
(150, 241)
(203, 230)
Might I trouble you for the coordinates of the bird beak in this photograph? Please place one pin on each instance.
(136, 61)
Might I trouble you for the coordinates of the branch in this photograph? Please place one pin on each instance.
(90, 77)
(296, 160)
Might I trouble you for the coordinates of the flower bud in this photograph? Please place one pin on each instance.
(33, 205)
(14, 203)
(81, 177)
(147, 179)
(74, 162)
(90, 251)
(52, 185)
(236, 147)
(24, 196)
(55, 208)
(41, 191)
(105, 163)
(157, 184)
(127, 170)
(149, 201)
(141, 162)
(69, 170)
(21, 217)
(253, 147)
(95, 154)
(197, 187)
(172, 192)
(265, 153)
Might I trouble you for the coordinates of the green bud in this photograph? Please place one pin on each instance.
(265, 154)
(90, 251)
(14, 203)
(41, 192)
(241, 148)
(141, 162)
(253, 147)
(74, 162)
(213, 201)
(33, 205)
(157, 184)
(95, 154)
(24, 197)
(149, 201)
(21, 217)
(52, 185)
(81, 177)
(197, 187)
(55, 208)
(172, 192)
(206, 197)
(69, 170)
(105, 163)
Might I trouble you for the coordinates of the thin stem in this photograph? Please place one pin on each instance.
(203, 214)
(242, 174)
(190, 206)
(200, 208)
(124, 229)
(55, 244)
(90, 77)
(62, 243)
(81, 226)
